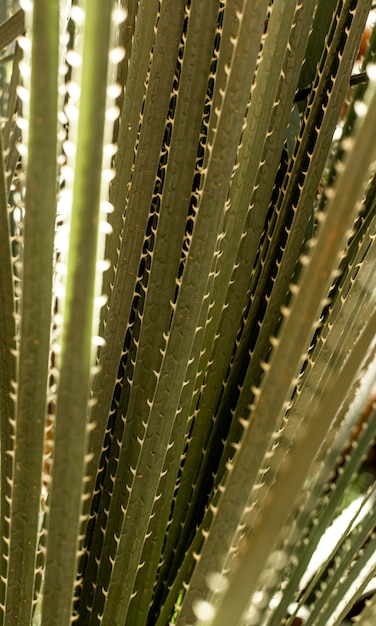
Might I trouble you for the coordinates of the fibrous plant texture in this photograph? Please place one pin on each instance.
(187, 312)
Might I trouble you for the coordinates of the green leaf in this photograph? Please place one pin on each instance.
(34, 348)
(77, 358)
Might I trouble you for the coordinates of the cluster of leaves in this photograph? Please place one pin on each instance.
(187, 313)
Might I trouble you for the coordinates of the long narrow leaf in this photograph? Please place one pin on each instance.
(77, 350)
(31, 403)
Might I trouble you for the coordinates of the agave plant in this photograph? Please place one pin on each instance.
(187, 311)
